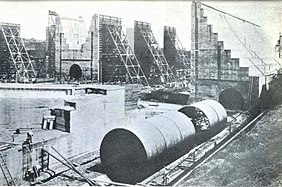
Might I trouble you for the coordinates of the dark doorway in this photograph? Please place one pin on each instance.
(231, 99)
(75, 72)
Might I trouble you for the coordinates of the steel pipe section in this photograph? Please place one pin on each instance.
(131, 154)
(220, 110)
(212, 110)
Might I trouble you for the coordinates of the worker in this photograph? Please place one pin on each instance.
(29, 136)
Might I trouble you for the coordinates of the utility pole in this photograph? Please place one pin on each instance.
(100, 71)
(195, 47)
(279, 45)
(91, 63)
(61, 43)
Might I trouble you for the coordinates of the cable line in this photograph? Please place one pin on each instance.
(245, 21)
(252, 53)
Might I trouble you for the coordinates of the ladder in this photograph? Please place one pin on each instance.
(127, 56)
(158, 56)
(27, 159)
(18, 53)
(7, 175)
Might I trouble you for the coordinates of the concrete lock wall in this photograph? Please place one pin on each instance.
(214, 69)
(13, 117)
(85, 67)
(94, 116)
(211, 89)
(75, 47)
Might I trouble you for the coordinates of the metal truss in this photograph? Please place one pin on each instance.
(18, 53)
(182, 54)
(158, 55)
(127, 56)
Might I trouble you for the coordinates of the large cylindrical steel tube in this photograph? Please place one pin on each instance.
(130, 154)
(209, 118)
(213, 110)
(220, 110)
(133, 153)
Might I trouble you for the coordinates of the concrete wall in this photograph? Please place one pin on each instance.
(111, 68)
(25, 112)
(96, 40)
(93, 117)
(24, 105)
(169, 48)
(214, 68)
(177, 57)
(211, 89)
(74, 31)
(76, 46)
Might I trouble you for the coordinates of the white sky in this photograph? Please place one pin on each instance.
(33, 17)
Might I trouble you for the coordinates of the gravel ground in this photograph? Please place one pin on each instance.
(254, 159)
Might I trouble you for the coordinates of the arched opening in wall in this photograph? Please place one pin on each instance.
(231, 99)
(75, 72)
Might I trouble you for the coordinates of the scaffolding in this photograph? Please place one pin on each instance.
(117, 61)
(22, 66)
(157, 65)
(127, 56)
(177, 57)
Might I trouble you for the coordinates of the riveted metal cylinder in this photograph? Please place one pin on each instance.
(126, 152)
(130, 154)
(212, 110)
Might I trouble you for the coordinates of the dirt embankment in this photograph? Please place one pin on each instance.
(254, 159)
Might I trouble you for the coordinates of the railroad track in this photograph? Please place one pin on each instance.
(176, 172)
